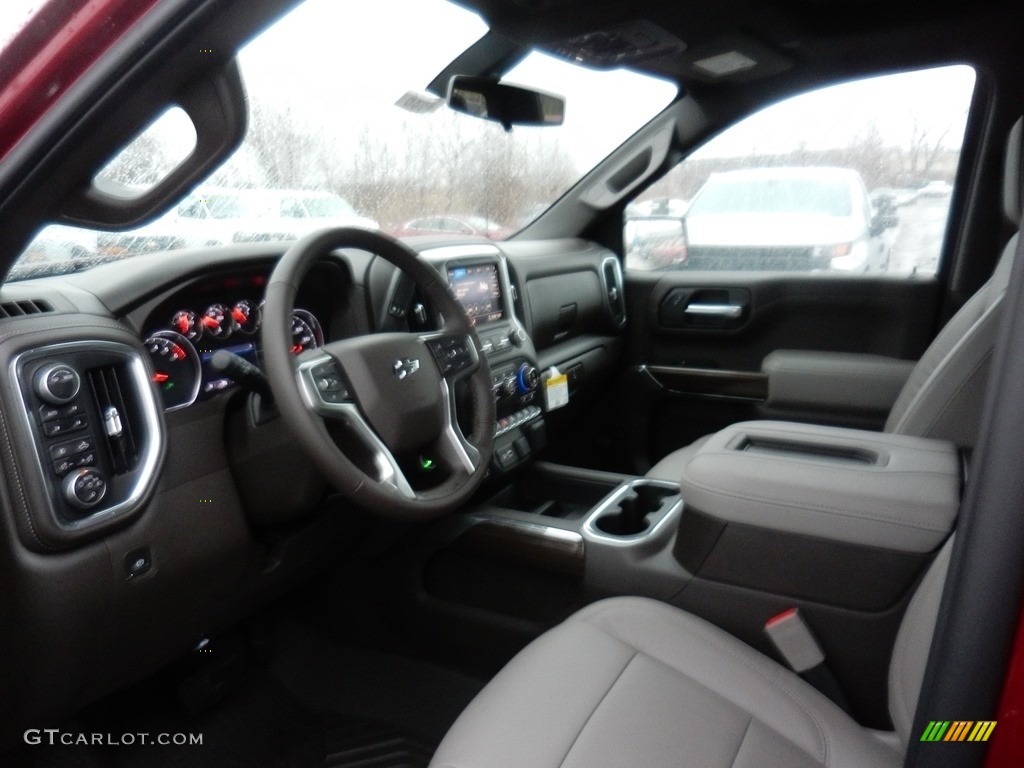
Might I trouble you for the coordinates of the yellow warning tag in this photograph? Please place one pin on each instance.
(556, 391)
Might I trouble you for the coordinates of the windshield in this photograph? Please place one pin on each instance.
(788, 196)
(340, 125)
(325, 207)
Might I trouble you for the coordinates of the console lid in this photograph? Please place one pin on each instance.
(864, 488)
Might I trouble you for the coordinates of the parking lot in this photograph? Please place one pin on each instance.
(917, 239)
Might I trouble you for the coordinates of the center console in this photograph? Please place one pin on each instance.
(766, 516)
(478, 276)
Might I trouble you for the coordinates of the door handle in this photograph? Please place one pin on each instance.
(724, 311)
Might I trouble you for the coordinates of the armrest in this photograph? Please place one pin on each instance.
(834, 381)
(866, 488)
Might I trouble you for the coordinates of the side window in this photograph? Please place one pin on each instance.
(851, 179)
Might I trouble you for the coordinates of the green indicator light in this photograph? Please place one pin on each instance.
(426, 464)
(168, 386)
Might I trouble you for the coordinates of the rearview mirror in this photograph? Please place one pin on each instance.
(509, 105)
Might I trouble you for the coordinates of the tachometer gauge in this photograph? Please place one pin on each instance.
(246, 317)
(186, 322)
(306, 332)
(217, 321)
(176, 368)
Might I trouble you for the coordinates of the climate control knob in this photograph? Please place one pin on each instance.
(57, 383)
(527, 379)
(84, 488)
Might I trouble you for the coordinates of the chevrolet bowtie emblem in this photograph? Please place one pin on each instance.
(403, 368)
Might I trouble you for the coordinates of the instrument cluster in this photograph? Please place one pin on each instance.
(184, 334)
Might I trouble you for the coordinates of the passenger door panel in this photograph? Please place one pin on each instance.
(691, 373)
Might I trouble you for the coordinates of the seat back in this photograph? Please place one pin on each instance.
(910, 653)
(942, 398)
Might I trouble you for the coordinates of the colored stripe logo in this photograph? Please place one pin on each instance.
(958, 730)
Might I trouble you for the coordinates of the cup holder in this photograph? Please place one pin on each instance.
(636, 509)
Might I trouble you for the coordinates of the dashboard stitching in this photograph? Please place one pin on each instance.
(16, 477)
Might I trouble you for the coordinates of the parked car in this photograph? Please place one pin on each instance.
(936, 188)
(654, 234)
(782, 219)
(470, 226)
(220, 215)
(62, 243)
(884, 208)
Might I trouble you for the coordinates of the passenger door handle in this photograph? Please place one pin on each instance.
(724, 311)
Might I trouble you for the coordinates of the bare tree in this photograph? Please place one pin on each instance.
(144, 161)
(925, 147)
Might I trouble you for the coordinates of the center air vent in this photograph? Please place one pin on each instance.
(25, 307)
(611, 275)
(117, 405)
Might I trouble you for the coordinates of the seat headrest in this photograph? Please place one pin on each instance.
(1013, 174)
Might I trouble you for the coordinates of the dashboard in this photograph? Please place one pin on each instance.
(185, 508)
(183, 333)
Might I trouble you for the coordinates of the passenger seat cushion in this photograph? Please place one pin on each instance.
(632, 681)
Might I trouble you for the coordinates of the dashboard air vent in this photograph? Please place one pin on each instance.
(611, 273)
(25, 307)
(118, 409)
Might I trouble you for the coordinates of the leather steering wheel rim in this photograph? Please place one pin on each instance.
(464, 458)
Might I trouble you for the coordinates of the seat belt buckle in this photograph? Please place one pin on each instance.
(794, 640)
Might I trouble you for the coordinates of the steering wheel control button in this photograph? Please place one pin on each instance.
(57, 383)
(452, 353)
(138, 562)
(329, 384)
(84, 488)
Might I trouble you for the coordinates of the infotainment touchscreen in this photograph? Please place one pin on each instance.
(478, 289)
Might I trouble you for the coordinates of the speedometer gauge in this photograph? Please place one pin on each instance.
(186, 322)
(176, 368)
(217, 321)
(246, 317)
(306, 332)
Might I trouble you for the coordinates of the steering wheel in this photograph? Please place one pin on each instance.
(395, 392)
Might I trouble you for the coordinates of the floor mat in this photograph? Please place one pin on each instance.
(380, 746)
(260, 724)
(422, 698)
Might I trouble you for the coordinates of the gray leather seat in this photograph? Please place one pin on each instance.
(634, 682)
(942, 398)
